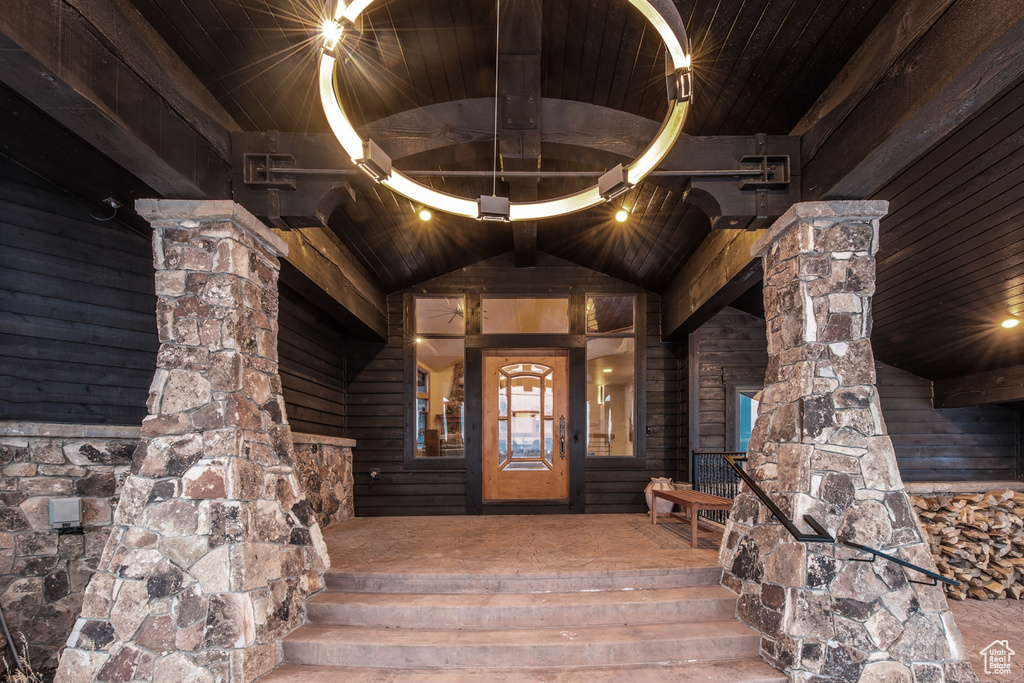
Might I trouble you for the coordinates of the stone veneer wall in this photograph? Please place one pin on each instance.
(325, 469)
(214, 547)
(819, 447)
(43, 571)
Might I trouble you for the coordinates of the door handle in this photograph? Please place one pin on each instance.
(561, 436)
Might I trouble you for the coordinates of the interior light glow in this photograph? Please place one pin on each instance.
(663, 16)
(419, 340)
(331, 31)
(622, 215)
(607, 370)
(1010, 323)
(424, 214)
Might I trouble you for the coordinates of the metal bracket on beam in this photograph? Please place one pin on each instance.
(774, 172)
(258, 170)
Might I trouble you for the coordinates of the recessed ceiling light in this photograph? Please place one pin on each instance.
(607, 370)
(1010, 323)
(419, 340)
(424, 214)
(622, 215)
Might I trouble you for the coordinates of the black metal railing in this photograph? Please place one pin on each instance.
(820, 535)
(710, 474)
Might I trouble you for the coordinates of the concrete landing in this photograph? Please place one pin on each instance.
(515, 544)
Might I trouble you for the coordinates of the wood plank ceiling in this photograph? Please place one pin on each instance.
(951, 263)
(759, 66)
(952, 258)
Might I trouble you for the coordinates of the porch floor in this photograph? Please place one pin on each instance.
(516, 544)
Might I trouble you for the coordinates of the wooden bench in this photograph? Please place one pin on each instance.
(692, 502)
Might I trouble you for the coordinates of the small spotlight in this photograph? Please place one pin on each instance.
(1010, 323)
(424, 214)
(331, 32)
(607, 370)
(419, 340)
(622, 215)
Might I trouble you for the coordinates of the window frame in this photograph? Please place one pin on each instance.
(733, 390)
(411, 367)
(639, 336)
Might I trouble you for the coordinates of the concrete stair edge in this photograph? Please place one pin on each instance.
(748, 670)
(510, 610)
(639, 644)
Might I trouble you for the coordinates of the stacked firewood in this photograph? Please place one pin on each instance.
(977, 539)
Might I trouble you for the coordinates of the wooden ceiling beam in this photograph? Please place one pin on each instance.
(573, 131)
(103, 72)
(928, 66)
(720, 270)
(993, 386)
(326, 273)
(519, 125)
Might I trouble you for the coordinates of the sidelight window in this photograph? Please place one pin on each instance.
(611, 375)
(440, 326)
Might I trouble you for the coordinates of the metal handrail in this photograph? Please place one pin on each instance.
(820, 535)
(11, 646)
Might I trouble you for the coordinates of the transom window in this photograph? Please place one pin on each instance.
(525, 315)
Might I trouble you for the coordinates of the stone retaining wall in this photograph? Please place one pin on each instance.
(44, 571)
(325, 470)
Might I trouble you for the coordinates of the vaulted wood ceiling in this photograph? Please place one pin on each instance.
(759, 66)
(952, 258)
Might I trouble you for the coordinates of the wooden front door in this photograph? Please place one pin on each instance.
(525, 425)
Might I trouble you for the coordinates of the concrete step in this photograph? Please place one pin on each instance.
(522, 582)
(509, 648)
(730, 671)
(516, 610)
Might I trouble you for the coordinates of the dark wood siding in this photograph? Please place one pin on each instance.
(77, 324)
(376, 420)
(78, 335)
(955, 444)
(968, 444)
(377, 413)
(731, 350)
(311, 348)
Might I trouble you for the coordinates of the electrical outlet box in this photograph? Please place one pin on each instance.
(65, 512)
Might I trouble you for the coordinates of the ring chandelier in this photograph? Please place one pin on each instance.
(367, 155)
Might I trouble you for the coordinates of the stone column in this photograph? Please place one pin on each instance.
(819, 446)
(213, 548)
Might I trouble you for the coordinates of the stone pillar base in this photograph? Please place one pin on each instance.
(819, 447)
(214, 547)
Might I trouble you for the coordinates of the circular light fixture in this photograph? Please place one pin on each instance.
(1010, 323)
(662, 15)
(419, 340)
(622, 215)
(424, 214)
